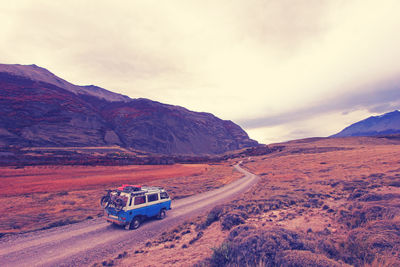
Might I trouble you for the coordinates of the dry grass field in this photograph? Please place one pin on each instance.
(39, 197)
(320, 202)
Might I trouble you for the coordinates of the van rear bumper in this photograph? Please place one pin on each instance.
(116, 221)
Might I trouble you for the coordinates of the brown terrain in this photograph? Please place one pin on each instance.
(320, 202)
(38, 197)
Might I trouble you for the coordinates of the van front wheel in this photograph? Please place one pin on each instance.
(161, 214)
(135, 223)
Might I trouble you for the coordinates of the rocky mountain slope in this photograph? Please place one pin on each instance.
(39, 109)
(388, 123)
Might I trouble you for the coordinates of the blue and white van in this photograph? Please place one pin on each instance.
(130, 205)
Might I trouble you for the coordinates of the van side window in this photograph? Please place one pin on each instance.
(140, 200)
(152, 197)
(164, 195)
(130, 201)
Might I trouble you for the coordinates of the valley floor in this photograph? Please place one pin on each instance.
(33, 198)
(320, 202)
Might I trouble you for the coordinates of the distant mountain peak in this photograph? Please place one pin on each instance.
(387, 114)
(36, 73)
(388, 123)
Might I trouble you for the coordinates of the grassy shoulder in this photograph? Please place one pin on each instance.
(184, 245)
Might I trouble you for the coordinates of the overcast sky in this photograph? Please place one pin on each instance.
(281, 69)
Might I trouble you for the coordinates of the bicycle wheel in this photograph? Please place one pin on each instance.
(105, 201)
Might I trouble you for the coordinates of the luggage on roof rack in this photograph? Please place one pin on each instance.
(128, 188)
(138, 193)
(152, 188)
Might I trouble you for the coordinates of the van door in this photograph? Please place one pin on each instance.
(139, 207)
(153, 204)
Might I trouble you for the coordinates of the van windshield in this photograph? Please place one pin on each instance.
(164, 195)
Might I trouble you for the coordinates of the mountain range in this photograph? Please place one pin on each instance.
(388, 123)
(39, 109)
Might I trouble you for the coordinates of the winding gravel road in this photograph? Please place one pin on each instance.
(93, 240)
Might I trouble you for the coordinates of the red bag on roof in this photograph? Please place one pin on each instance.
(130, 187)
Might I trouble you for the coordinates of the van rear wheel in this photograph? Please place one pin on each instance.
(135, 223)
(162, 214)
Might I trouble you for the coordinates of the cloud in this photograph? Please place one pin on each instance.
(260, 63)
(333, 122)
(376, 98)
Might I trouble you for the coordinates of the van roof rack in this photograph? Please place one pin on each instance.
(137, 190)
(150, 188)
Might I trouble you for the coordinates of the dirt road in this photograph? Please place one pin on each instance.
(91, 241)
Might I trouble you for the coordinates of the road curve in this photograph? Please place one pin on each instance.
(92, 240)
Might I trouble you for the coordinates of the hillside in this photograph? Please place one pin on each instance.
(39, 109)
(388, 123)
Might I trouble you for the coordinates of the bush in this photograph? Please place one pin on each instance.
(247, 246)
(359, 217)
(221, 255)
(233, 218)
(197, 237)
(303, 258)
(394, 183)
(365, 244)
(62, 193)
(213, 216)
(60, 223)
(239, 230)
(357, 193)
(108, 263)
(371, 197)
(330, 247)
(378, 197)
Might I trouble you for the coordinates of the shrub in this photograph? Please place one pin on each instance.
(122, 255)
(221, 255)
(329, 247)
(394, 183)
(378, 237)
(378, 197)
(303, 258)
(247, 246)
(357, 193)
(213, 216)
(239, 230)
(233, 218)
(108, 263)
(387, 260)
(371, 197)
(359, 217)
(61, 223)
(62, 193)
(197, 237)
